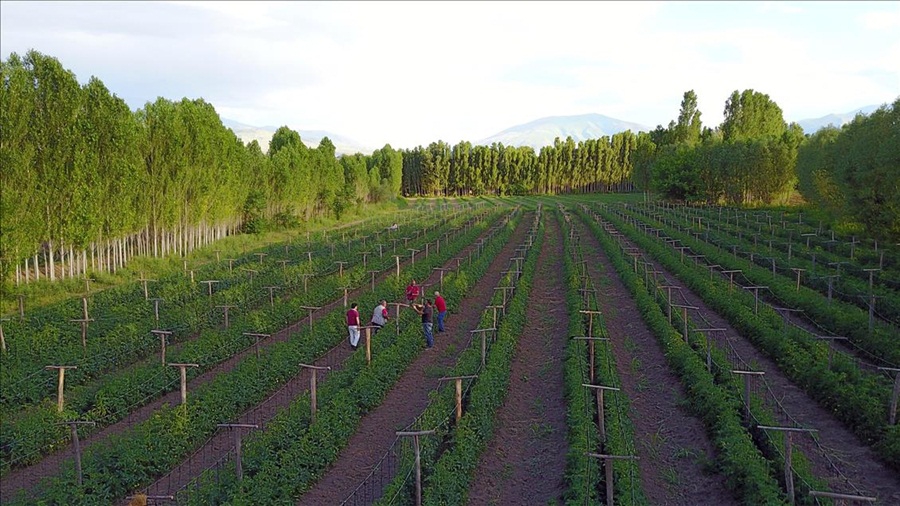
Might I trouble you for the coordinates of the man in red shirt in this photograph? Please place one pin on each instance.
(441, 307)
(353, 325)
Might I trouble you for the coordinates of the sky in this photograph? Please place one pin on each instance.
(411, 73)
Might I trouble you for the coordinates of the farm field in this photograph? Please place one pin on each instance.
(598, 350)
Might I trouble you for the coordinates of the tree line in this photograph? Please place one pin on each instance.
(88, 183)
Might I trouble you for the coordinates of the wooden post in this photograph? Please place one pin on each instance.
(21, 307)
(2, 337)
(755, 296)
(73, 424)
(684, 318)
(830, 340)
(345, 289)
(60, 383)
(788, 456)
(305, 279)
(730, 278)
(84, 327)
(373, 273)
(842, 497)
(483, 333)
(412, 255)
(341, 269)
(669, 299)
(283, 262)
(368, 329)
(209, 286)
(182, 368)
(271, 290)
(310, 309)
(747, 375)
(163, 334)
(397, 261)
(441, 270)
(238, 467)
(591, 354)
(601, 414)
(713, 268)
(261, 256)
(706, 333)
(458, 380)
(365, 255)
(798, 271)
(225, 309)
(257, 336)
(504, 288)
(312, 388)
(156, 308)
(144, 283)
(397, 306)
(231, 264)
(607, 464)
(895, 395)
(252, 273)
(415, 436)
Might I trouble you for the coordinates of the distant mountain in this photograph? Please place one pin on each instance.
(810, 126)
(542, 132)
(248, 133)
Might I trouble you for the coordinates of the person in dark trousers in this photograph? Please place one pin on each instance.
(380, 315)
(441, 306)
(353, 325)
(427, 311)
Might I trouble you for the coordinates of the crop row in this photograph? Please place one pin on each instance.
(849, 288)
(26, 437)
(134, 458)
(857, 398)
(286, 459)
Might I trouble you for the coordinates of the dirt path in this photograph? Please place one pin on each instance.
(27, 478)
(677, 458)
(409, 396)
(525, 461)
(855, 460)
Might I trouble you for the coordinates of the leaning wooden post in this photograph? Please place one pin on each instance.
(607, 464)
(601, 415)
(182, 368)
(84, 327)
(163, 334)
(310, 309)
(458, 380)
(61, 380)
(314, 369)
(415, 436)
(892, 412)
(591, 354)
(73, 424)
(483, 333)
(747, 376)
(236, 430)
(788, 456)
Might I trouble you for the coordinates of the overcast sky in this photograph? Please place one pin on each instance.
(410, 73)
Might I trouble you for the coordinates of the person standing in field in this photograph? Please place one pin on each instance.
(412, 291)
(441, 306)
(427, 312)
(380, 315)
(353, 325)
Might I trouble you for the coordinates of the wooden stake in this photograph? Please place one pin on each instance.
(458, 380)
(415, 436)
(310, 309)
(788, 456)
(183, 370)
(312, 388)
(601, 415)
(162, 342)
(607, 464)
(61, 380)
(73, 424)
(238, 467)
